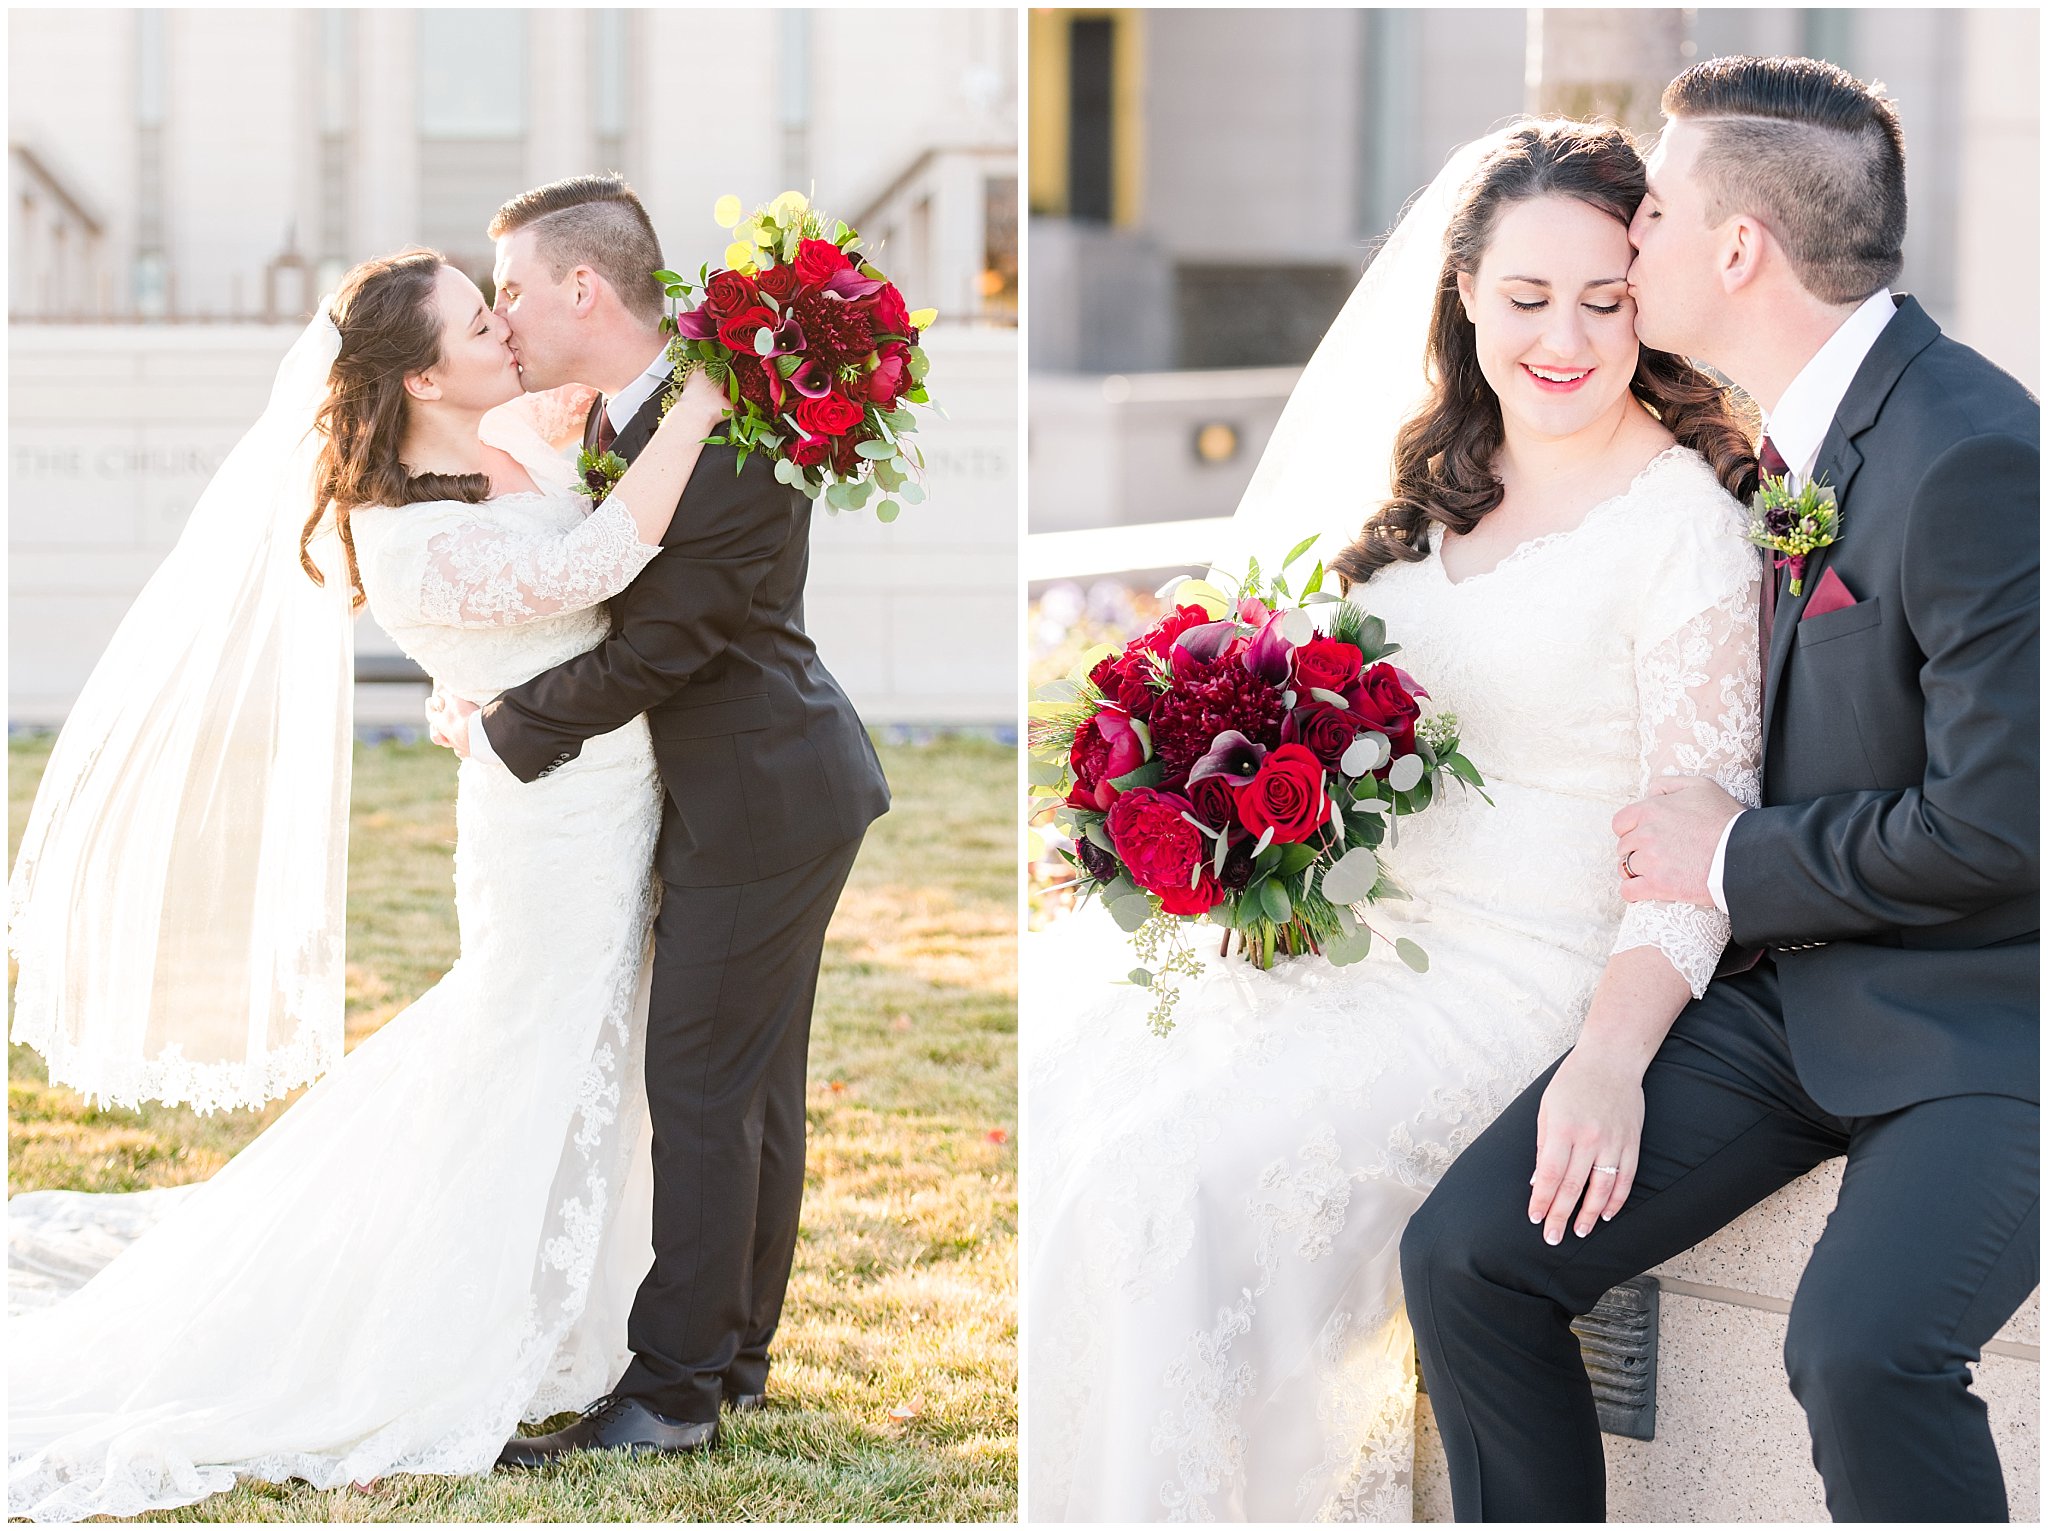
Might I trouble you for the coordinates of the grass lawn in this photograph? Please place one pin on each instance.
(894, 1394)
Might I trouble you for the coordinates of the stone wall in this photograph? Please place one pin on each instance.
(115, 430)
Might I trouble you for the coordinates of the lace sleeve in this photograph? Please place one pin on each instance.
(480, 575)
(1699, 714)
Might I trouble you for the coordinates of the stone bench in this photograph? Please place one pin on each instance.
(1731, 1442)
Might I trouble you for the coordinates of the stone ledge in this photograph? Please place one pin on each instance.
(1722, 1398)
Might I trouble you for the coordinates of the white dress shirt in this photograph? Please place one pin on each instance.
(622, 406)
(619, 409)
(1797, 427)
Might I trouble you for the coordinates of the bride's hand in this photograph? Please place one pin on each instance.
(702, 405)
(1589, 1131)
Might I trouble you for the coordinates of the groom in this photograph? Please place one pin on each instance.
(1889, 881)
(770, 783)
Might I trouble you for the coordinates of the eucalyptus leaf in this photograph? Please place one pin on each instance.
(1061, 690)
(1351, 879)
(1351, 946)
(911, 494)
(1094, 831)
(1046, 773)
(1296, 626)
(1365, 754)
(1413, 955)
(887, 511)
(1325, 694)
(881, 449)
(764, 341)
(1129, 913)
(1405, 773)
(1149, 774)
(1142, 977)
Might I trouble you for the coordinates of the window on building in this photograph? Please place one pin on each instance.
(152, 287)
(1091, 100)
(999, 248)
(610, 85)
(473, 123)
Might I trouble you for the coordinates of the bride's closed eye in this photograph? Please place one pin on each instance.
(1598, 308)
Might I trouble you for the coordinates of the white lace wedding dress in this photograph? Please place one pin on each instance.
(1214, 1218)
(443, 1235)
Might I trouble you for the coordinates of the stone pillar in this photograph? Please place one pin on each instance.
(1611, 64)
(560, 112)
(387, 161)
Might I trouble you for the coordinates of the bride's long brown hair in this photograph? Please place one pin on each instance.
(390, 328)
(1444, 454)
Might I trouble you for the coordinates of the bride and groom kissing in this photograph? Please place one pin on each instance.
(662, 796)
(1756, 887)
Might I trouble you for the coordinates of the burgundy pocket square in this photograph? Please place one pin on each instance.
(1829, 595)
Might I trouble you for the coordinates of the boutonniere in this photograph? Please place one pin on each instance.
(1793, 520)
(597, 472)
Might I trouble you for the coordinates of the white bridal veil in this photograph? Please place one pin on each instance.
(1329, 461)
(176, 906)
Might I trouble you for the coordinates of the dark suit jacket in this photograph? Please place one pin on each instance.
(1894, 869)
(765, 763)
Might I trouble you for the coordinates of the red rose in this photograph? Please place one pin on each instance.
(1161, 850)
(1327, 663)
(890, 377)
(728, 293)
(1286, 796)
(808, 452)
(1205, 895)
(1215, 801)
(1159, 637)
(1324, 730)
(779, 282)
(738, 331)
(1382, 703)
(817, 259)
(1105, 747)
(832, 414)
(891, 314)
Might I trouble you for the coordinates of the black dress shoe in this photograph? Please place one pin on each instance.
(611, 1424)
(746, 1403)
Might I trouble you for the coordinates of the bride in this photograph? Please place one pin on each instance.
(1214, 1217)
(443, 1236)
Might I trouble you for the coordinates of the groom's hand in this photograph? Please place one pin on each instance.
(448, 722)
(1667, 840)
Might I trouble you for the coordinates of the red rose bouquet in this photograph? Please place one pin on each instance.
(816, 349)
(1235, 764)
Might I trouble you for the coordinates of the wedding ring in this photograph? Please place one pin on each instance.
(1626, 869)
(1607, 1169)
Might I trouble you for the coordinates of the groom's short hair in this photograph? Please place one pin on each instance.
(595, 221)
(1814, 153)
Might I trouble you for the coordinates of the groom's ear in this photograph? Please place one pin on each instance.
(584, 290)
(1743, 242)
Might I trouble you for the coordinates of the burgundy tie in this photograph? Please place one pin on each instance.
(606, 435)
(1771, 463)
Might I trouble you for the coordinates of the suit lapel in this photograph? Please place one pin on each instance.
(590, 423)
(1908, 334)
(640, 429)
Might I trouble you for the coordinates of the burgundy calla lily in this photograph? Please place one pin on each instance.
(851, 285)
(1270, 656)
(697, 324)
(812, 380)
(1232, 756)
(1203, 644)
(789, 338)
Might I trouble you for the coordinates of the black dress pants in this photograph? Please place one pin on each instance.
(1932, 1246)
(728, 1036)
